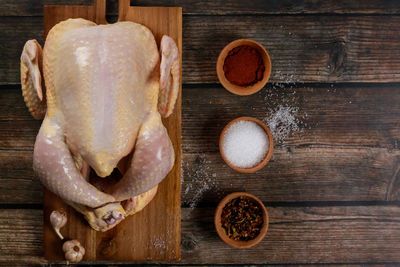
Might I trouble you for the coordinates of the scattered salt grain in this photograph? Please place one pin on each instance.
(159, 243)
(283, 122)
(245, 144)
(199, 180)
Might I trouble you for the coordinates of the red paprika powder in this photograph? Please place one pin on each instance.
(244, 66)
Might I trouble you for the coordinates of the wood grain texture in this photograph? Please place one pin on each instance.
(154, 233)
(346, 147)
(303, 235)
(302, 48)
(345, 157)
(343, 151)
(229, 7)
(310, 174)
(331, 115)
(18, 183)
(331, 234)
(315, 173)
(347, 115)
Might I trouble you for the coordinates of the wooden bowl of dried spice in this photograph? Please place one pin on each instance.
(243, 67)
(241, 220)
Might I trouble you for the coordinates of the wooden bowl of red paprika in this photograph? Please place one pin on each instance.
(243, 67)
(241, 220)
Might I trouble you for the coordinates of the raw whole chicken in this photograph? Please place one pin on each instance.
(105, 91)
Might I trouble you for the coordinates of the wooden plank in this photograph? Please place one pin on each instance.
(316, 173)
(302, 235)
(14, 34)
(332, 115)
(343, 151)
(154, 233)
(18, 184)
(302, 48)
(18, 135)
(13, 107)
(347, 115)
(229, 7)
(296, 235)
(346, 147)
(21, 234)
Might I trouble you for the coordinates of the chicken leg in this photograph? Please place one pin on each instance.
(53, 163)
(153, 158)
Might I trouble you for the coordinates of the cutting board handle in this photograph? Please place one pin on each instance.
(100, 10)
(123, 7)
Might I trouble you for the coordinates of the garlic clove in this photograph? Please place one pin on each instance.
(73, 256)
(74, 251)
(58, 219)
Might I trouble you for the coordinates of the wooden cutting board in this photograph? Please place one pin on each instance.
(154, 233)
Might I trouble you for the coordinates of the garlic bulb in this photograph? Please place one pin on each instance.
(73, 250)
(58, 219)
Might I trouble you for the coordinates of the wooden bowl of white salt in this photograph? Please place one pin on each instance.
(246, 144)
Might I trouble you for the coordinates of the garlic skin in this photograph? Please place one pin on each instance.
(73, 250)
(58, 219)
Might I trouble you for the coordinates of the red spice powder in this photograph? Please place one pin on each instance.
(244, 66)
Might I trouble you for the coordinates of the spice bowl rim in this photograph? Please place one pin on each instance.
(267, 156)
(238, 243)
(237, 89)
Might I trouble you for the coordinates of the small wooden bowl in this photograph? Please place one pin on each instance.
(267, 156)
(235, 243)
(243, 90)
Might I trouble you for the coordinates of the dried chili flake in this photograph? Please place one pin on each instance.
(242, 218)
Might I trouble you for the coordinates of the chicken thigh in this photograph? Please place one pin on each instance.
(106, 90)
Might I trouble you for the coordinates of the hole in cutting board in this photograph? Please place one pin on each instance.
(111, 11)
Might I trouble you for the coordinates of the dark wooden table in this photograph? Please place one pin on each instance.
(332, 188)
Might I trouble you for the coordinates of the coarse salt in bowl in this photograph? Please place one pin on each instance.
(246, 144)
